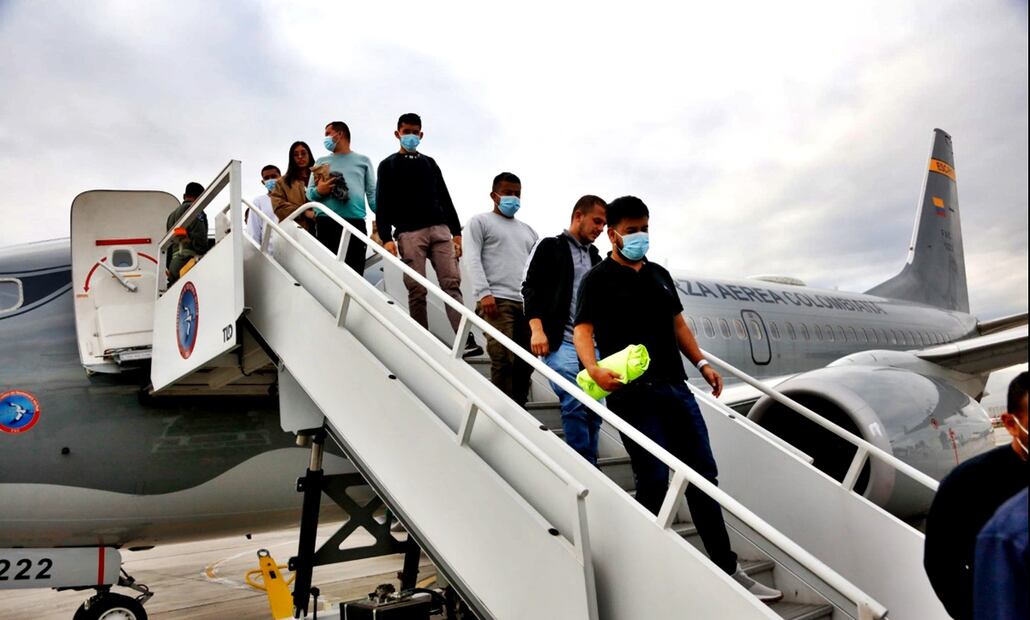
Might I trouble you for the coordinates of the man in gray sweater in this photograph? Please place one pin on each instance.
(497, 247)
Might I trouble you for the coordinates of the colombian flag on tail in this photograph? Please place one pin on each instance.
(938, 204)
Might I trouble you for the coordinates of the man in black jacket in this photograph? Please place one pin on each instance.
(555, 269)
(966, 499)
(417, 222)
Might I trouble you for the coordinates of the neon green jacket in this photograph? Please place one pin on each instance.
(630, 362)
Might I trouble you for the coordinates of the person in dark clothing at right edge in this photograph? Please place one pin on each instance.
(966, 500)
(412, 198)
(627, 300)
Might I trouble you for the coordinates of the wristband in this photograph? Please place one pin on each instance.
(701, 364)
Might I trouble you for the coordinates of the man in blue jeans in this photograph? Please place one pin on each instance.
(555, 269)
(627, 300)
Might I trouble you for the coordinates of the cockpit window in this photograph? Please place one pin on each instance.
(10, 295)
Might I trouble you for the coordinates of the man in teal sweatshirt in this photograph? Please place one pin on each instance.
(352, 182)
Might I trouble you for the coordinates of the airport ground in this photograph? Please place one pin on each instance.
(205, 580)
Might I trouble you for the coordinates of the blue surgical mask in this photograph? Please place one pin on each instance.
(330, 144)
(270, 184)
(508, 205)
(634, 246)
(410, 142)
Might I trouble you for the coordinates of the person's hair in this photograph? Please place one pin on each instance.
(193, 190)
(587, 203)
(341, 127)
(292, 169)
(1017, 390)
(409, 118)
(505, 177)
(625, 208)
(271, 167)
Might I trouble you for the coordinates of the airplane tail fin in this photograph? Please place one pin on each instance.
(935, 272)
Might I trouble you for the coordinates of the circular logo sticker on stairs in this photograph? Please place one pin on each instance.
(186, 316)
(19, 411)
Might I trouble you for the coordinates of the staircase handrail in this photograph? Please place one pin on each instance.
(864, 449)
(683, 474)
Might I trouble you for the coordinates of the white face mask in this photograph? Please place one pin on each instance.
(1021, 444)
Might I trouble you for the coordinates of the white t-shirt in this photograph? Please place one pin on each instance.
(255, 225)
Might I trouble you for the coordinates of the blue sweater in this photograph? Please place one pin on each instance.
(361, 182)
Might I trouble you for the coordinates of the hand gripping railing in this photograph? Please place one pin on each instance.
(580, 540)
(863, 449)
(865, 606)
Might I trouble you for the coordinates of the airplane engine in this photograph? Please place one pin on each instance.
(915, 413)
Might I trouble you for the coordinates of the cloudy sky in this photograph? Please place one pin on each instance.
(786, 138)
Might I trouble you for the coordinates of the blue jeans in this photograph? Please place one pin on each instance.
(668, 415)
(580, 424)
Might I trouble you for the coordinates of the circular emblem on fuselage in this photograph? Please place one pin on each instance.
(19, 411)
(186, 316)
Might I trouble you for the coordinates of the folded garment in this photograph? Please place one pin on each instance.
(630, 363)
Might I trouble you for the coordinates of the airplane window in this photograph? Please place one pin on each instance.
(841, 335)
(853, 334)
(894, 337)
(709, 328)
(10, 295)
(724, 327)
(790, 331)
(756, 331)
(123, 259)
(774, 330)
(944, 338)
(817, 332)
(804, 330)
(884, 338)
(829, 333)
(923, 338)
(691, 325)
(914, 336)
(738, 325)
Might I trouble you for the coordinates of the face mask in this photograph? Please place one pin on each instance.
(634, 246)
(1021, 444)
(508, 205)
(410, 142)
(330, 144)
(270, 184)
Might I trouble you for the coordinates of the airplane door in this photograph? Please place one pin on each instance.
(115, 273)
(758, 336)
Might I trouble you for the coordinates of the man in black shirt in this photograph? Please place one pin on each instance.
(414, 207)
(626, 300)
(966, 500)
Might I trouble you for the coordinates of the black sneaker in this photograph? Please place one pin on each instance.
(471, 348)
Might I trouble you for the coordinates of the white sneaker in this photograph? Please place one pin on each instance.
(761, 592)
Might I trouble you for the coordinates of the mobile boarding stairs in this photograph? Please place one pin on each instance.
(519, 524)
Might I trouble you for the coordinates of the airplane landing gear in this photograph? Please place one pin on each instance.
(106, 605)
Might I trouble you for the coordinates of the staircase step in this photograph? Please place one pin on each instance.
(801, 611)
(618, 468)
(548, 413)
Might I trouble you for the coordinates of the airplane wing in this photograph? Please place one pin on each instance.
(1001, 324)
(981, 354)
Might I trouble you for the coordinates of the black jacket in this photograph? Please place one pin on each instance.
(547, 290)
(412, 195)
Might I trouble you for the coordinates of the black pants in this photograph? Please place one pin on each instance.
(668, 414)
(329, 233)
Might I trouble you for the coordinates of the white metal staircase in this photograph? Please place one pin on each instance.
(523, 526)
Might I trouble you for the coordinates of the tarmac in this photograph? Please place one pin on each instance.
(205, 580)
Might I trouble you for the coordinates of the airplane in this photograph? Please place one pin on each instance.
(95, 459)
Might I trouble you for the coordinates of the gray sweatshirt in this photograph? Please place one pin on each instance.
(495, 250)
